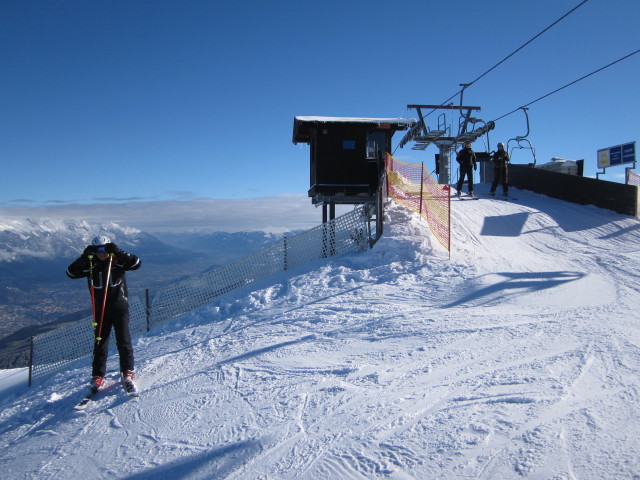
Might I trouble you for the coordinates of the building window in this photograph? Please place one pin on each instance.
(376, 145)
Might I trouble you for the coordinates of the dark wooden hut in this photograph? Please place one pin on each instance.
(347, 155)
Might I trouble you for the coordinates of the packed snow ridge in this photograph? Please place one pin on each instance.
(516, 358)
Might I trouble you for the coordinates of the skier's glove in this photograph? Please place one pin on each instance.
(111, 248)
(89, 251)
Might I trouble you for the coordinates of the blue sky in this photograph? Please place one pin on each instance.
(149, 101)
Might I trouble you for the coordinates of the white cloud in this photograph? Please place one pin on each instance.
(274, 214)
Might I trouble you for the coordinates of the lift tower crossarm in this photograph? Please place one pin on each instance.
(420, 133)
(442, 107)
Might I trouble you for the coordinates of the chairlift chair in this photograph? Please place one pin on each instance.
(522, 138)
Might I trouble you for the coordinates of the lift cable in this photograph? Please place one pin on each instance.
(527, 43)
(569, 84)
(466, 85)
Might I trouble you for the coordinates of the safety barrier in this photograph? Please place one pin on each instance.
(614, 196)
(53, 350)
(410, 185)
(346, 233)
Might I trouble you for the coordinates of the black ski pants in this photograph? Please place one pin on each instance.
(465, 171)
(500, 176)
(116, 316)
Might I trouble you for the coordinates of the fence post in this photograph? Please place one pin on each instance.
(30, 360)
(286, 263)
(421, 186)
(332, 233)
(147, 309)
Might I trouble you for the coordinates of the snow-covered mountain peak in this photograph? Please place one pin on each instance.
(45, 238)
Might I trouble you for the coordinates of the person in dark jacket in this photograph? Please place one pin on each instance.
(93, 265)
(500, 170)
(467, 160)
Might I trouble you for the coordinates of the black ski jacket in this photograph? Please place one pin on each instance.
(466, 158)
(500, 158)
(122, 262)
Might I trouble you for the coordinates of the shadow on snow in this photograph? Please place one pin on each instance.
(525, 281)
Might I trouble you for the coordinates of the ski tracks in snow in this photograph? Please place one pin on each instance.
(398, 363)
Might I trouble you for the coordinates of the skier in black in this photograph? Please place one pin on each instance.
(467, 160)
(500, 170)
(93, 264)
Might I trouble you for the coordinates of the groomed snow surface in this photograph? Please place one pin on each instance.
(516, 358)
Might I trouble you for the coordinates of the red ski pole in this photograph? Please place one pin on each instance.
(104, 299)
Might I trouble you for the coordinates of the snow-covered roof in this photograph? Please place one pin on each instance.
(301, 124)
(395, 121)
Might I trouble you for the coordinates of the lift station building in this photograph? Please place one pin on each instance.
(347, 156)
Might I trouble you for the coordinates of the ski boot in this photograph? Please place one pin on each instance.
(128, 383)
(96, 383)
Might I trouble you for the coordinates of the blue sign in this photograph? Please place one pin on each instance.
(618, 155)
(629, 153)
(615, 156)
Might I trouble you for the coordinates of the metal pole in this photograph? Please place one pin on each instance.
(30, 361)
(445, 164)
(449, 219)
(332, 228)
(286, 266)
(421, 185)
(148, 309)
(325, 248)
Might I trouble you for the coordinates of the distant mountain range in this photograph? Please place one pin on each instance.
(36, 295)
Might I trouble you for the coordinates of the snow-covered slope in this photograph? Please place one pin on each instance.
(517, 358)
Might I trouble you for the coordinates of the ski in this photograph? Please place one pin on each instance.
(82, 405)
(501, 197)
(466, 197)
(128, 385)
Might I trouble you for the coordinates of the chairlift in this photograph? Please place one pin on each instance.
(465, 118)
(471, 134)
(522, 142)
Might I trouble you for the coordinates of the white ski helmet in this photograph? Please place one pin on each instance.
(101, 240)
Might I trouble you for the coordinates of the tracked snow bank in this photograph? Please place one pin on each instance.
(517, 358)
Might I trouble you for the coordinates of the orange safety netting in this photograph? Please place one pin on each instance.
(410, 185)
